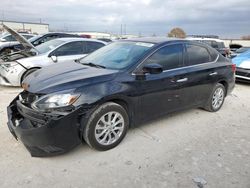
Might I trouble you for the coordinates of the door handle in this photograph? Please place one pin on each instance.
(182, 80)
(213, 73)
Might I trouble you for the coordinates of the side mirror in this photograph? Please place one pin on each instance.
(54, 58)
(152, 68)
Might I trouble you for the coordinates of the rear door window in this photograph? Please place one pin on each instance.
(169, 57)
(196, 54)
(93, 46)
(72, 48)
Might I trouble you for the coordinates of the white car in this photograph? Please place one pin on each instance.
(51, 52)
(7, 40)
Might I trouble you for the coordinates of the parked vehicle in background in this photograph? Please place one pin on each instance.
(105, 40)
(53, 51)
(98, 98)
(239, 51)
(8, 40)
(214, 43)
(234, 47)
(35, 41)
(7, 37)
(242, 62)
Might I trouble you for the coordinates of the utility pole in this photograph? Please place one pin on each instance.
(121, 30)
(3, 17)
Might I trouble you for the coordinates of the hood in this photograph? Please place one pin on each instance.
(65, 76)
(24, 42)
(239, 59)
(33, 61)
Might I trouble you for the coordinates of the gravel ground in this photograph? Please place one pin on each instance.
(193, 148)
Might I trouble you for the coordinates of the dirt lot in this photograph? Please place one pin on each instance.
(173, 151)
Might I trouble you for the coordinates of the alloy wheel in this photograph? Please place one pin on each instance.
(109, 128)
(218, 98)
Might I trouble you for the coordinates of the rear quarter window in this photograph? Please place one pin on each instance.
(213, 53)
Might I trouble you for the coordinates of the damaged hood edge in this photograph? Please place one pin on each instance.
(25, 43)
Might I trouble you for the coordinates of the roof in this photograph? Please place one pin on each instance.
(155, 40)
(71, 39)
(207, 39)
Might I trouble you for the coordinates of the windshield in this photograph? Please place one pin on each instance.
(32, 39)
(118, 55)
(50, 45)
(243, 49)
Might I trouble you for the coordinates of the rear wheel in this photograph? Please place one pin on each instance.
(216, 98)
(106, 127)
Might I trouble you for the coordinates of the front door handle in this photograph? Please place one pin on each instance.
(213, 73)
(182, 80)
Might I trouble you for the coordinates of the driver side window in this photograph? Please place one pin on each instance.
(73, 48)
(45, 39)
(169, 57)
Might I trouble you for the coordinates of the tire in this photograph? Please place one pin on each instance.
(218, 93)
(99, 130)
(27, 73)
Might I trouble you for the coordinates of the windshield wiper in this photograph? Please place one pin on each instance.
(94, 65)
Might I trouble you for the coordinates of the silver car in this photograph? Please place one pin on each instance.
(51, 52)
(7, 40)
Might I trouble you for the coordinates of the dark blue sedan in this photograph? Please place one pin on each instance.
(96, 99)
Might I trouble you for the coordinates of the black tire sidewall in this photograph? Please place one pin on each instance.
(89, 131)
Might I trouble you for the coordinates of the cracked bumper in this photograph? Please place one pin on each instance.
(43, 134)
(11, 76)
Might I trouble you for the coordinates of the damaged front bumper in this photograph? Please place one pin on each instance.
(11, 76)
(43, 134)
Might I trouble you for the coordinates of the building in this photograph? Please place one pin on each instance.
(236, 42)
(30, 27)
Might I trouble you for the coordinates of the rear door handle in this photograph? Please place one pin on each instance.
(213, 73)
(182, 80)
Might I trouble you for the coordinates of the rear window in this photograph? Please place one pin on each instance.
(196, 55)
(214, 44)
(93, 46)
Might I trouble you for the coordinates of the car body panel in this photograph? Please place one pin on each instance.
(43, 60)
(11, 77)
(143, 95)
(242, 62)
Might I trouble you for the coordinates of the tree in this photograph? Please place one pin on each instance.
(177, 32)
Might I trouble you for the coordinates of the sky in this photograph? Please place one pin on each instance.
(226, 18)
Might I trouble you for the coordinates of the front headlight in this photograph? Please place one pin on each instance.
(56, 100)
(245, 64)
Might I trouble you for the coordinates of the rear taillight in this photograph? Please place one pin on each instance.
(234, 67)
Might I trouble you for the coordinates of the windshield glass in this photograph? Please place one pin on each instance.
(243, 49)
(32, 39)
(118, 55)
(50, 45)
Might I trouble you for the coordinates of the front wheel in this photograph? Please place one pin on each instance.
(216, 98)
(106, 127)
